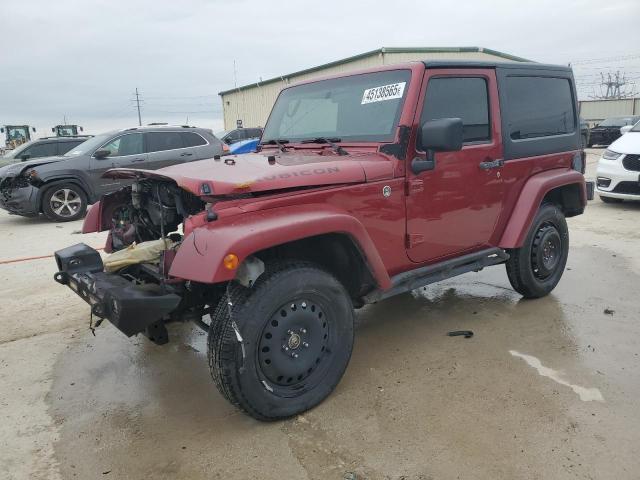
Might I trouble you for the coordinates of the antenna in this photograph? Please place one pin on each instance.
(138, 107)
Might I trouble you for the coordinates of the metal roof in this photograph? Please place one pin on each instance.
(378, 51)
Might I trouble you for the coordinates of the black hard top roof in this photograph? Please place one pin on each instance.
(505, 65)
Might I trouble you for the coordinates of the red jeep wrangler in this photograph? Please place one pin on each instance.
(367, 185)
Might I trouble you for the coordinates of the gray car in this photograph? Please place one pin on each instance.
(61, 187)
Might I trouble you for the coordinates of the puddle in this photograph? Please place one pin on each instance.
(585, 394)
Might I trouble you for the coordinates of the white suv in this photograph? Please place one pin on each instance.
(618, 176)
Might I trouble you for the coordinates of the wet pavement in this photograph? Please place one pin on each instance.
(548, 388)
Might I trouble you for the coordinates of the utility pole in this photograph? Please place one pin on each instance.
(138, 106)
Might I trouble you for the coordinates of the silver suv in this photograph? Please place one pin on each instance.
(61, 187)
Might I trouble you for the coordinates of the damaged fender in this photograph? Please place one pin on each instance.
(200, 256)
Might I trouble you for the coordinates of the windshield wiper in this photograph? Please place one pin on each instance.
(276, 141)
(331, 141)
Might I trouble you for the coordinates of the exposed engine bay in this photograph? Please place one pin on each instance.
(150, 210)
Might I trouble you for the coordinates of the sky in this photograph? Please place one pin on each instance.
(84, 59)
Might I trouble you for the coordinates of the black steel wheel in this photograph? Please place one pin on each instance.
(535, 269)
(280, 347)
(293, 345)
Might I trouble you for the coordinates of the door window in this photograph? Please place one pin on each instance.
(41, 150)
(64, 147)
(460, 97)
(160, 141)
(190, 139)
(130, 144)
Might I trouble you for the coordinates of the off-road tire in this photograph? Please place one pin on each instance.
(248, 321)
(70, 212)
(610, 199)
(528, 273)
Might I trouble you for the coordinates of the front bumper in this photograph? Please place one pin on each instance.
(603, 137)
(615, 181)
(19, 200)
(129, 307)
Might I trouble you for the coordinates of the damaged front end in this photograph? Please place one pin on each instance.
(131, 286)
(18, 195)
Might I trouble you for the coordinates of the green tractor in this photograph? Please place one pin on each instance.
(16, 135)
(67, 130)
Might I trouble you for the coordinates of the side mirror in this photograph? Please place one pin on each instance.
(100, 154)
(625, 129)
(81, 129)
(441, 135)
(24, 157)
(33, 128)
(53, 130)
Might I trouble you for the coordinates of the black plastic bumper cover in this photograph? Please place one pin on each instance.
(130, 307)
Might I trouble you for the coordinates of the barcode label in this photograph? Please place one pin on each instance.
(385, 92)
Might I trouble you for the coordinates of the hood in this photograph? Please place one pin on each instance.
(16, 168)
(627, 143)
(264, 171)
(605, 128)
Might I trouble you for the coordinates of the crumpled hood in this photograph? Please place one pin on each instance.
(15, 169)
(264, 171)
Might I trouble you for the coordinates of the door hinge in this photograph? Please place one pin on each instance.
(413, 186)
(413, 239)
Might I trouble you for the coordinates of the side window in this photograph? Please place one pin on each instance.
(190, 139)
(254, 133)
(459, 97)
(130, 144)
(539, 107)
(41, 150)
(233, 137)
(159, 141)
(64, 147)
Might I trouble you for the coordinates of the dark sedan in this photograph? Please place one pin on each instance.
(608, 131)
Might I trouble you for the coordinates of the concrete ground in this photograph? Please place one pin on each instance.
(546, 389)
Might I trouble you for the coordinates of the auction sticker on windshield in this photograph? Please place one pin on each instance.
(385, 92)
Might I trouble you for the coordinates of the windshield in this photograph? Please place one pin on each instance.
(636, 128)
(89, 146)
(618, 122)
(16, 151)
(221, 134)
(362, 107)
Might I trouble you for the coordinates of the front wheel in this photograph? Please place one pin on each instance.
(281, 347)
(64, 202)
(536, 268)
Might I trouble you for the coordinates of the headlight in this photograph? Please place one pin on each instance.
(611, 155)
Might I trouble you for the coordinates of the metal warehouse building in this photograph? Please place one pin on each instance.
(251, 104)
(594, 111)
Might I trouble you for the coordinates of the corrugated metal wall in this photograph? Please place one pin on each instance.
(594, 111)
(253, 104)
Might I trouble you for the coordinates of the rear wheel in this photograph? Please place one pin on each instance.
(64, 202)
(536, 268)
(280, 347)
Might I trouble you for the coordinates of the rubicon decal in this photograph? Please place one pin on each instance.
(301, 173)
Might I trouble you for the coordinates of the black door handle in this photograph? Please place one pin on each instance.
(186, 154)
(489, 164)
(136, 160)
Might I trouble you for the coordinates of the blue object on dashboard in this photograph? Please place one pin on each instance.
(244, 146)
